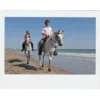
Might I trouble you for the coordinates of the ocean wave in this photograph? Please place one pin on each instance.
(77, 54)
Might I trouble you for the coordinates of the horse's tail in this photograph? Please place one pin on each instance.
(39, 43)
(39, 48)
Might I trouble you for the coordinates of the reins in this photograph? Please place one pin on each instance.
(55, 42)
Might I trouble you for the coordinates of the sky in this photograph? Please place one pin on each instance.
(79, 33)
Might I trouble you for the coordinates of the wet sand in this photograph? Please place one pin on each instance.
(16, 64)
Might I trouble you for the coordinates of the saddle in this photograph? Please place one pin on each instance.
(44, 41)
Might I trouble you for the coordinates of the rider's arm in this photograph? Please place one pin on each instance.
(51, 32)
(43, 32)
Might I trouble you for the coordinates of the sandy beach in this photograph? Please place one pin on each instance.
(16, 64)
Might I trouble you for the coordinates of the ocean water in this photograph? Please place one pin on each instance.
(77, 52)
(76, 61)
(87, 51)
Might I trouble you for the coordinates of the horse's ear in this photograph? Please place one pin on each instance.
(63, 31)
(55, 32)
(58, 31)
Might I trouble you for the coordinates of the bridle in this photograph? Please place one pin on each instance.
(54, 41)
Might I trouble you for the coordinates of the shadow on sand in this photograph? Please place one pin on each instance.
(28, 67)
(14, 60)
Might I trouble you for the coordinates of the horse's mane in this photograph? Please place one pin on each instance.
(54, 33)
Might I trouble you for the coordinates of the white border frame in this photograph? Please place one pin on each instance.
(50, 81)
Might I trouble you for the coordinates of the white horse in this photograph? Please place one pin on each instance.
(49, 48)
(27, 49)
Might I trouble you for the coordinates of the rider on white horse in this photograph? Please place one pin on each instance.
(23, 45)
(46, 32)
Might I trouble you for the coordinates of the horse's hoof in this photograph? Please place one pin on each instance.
(41, 68)
(49, 69)
(42, 65)
(27, 62)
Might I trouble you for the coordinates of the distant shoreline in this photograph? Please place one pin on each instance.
(16, 64)
(58, 49)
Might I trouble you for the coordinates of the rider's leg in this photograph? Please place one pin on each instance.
(32, 46)
(23, 46)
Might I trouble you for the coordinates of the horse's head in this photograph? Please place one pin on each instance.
(59, 37)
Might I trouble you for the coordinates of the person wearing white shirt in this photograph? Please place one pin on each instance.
(47, 32)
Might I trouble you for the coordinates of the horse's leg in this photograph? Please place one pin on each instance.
(40, 62)
(50, 62)
(43, 60)
(28, 57)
